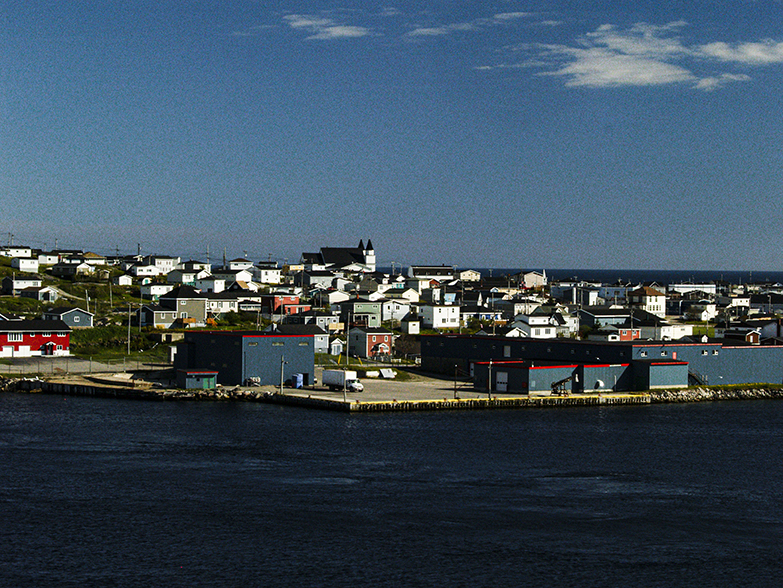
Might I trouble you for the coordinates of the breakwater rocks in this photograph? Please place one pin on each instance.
(715, 394)
(130, 393)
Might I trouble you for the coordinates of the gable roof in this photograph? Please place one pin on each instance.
(36, 325)
(183, 291)
(61, 310)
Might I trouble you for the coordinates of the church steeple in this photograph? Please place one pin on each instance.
(369, 254)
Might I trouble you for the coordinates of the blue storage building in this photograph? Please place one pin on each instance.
(238, 356)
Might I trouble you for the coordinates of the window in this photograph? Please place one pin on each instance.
(15, 337)
(305, 344)
(643, 354)
(704, 352)
(277, 344)
(715, 352)
(76, 319)
(253, 344)
(664, 353)
(46, 334)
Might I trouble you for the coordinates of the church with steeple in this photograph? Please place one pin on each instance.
(359, 259)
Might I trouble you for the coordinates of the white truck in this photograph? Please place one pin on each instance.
(337, 379)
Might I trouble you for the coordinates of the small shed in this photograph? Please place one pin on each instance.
(196, 379)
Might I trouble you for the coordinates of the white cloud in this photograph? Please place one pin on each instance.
(598, 67)
(651, 55)
(764, 53)
(429, 32)
(507, 16)
(321, 28)
(501, 18)
(713, 83)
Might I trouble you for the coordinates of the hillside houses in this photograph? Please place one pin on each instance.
(342, 289)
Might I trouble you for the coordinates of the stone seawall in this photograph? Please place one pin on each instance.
(306, 400)
(714, 394)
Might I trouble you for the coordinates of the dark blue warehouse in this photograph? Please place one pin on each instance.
(239, 356)
(597, 365)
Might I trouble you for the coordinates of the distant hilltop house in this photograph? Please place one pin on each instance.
(11, 251)
(14, 284)
(431, 272)
(359, 259)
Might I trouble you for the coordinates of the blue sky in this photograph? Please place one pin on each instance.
(489, 134)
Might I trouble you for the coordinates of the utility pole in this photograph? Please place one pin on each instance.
(129, 325)
(489, 381)
(282, 369)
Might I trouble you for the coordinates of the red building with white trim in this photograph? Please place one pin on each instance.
(370, 342)
(34, 338)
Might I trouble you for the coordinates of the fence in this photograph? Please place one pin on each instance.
(54, 366)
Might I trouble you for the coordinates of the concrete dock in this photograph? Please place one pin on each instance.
(379, 395)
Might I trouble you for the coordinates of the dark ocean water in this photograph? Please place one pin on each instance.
(114, 493)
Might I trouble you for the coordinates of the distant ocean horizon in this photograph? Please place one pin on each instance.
(641, 275)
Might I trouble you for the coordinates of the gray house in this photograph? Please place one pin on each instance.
(76, 318)
(189, 305)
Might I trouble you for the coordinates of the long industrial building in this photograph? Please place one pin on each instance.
(526, 365)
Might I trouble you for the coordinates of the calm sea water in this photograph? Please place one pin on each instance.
(112, 493)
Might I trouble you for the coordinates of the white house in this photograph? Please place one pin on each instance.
(469, 276)
(534, 279)
(221, 304)
(48, 258)
(182, 276)
(231, 275)
(12, 251)
(396, 310)
(145, 270)
(649, 300)
(25, 264)
(240, 264)
(210, 284)
(123, 280)
(153, 291)
(163, 262)
(536, 325)
(267, 275)
(440, 316)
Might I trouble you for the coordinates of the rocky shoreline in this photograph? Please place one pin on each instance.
(307, 398)
(714, 394)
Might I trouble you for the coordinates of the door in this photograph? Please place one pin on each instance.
(501, 381)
